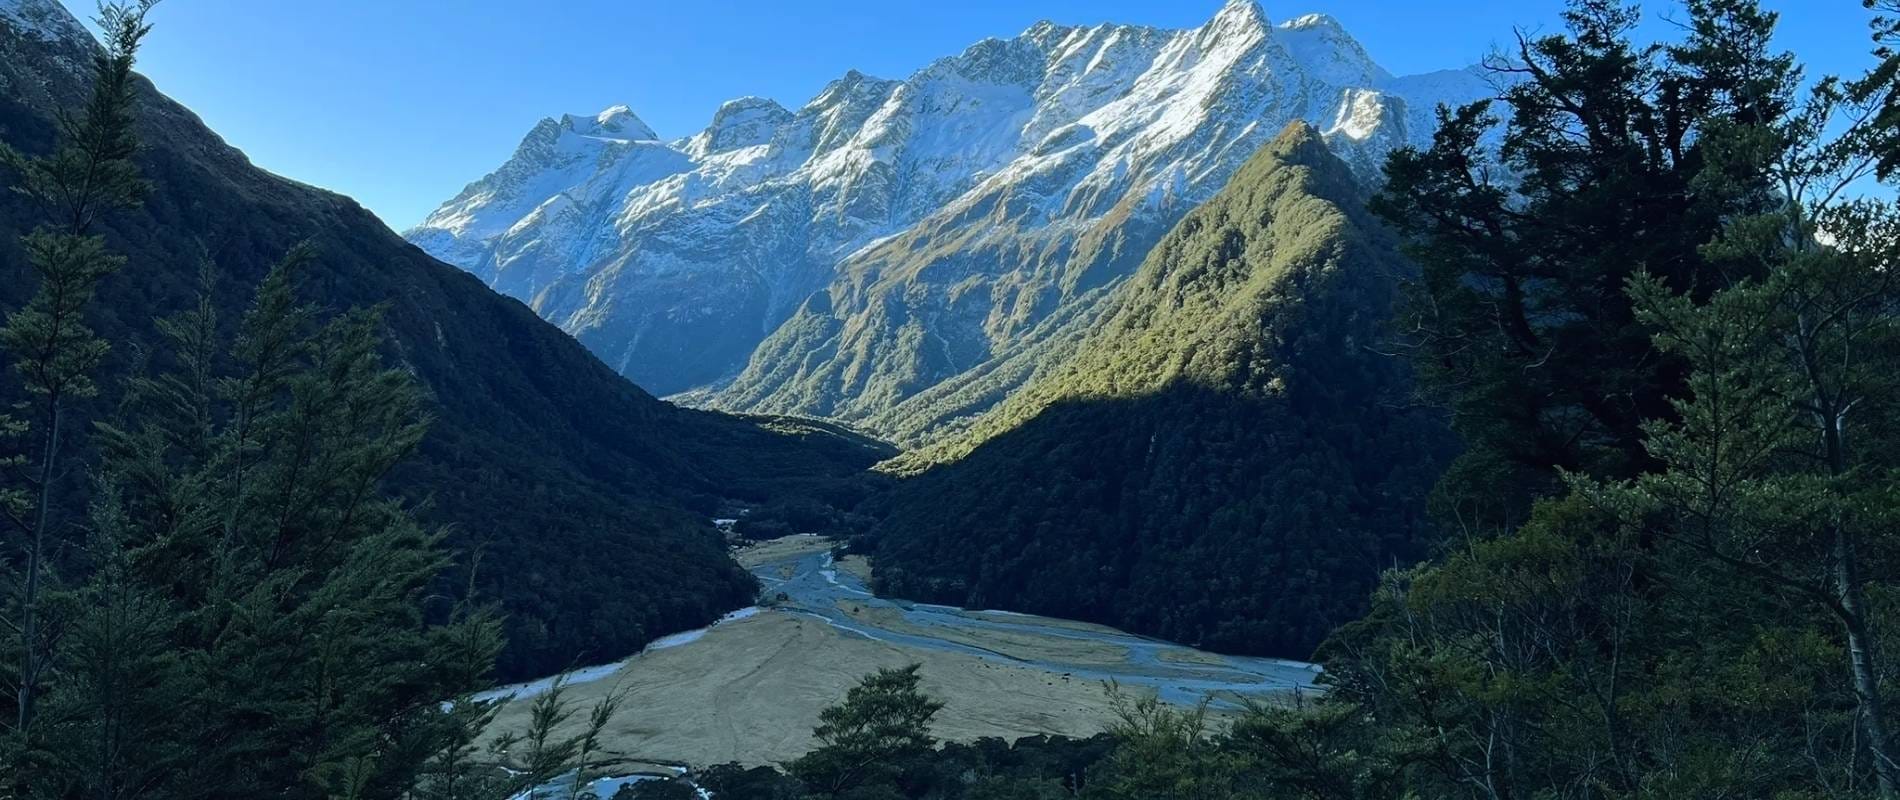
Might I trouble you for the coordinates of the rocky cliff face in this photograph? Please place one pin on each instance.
(904, 253)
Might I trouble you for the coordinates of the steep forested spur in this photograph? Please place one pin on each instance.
(1229, 460)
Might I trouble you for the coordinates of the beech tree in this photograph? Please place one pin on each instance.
(1688, 420)
(1527, 216)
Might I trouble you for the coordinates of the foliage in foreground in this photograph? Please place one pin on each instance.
(877, 744)
(1669, 341)
(241, 612)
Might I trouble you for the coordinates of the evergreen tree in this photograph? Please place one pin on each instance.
(1607, 161)
(53, 351)
(1779, 466)
(866, 742)
(110, 718)
(250, 618)
(1880, 88)
(1693, 609)
(275, 594)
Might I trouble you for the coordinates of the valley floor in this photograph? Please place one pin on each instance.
(750, 688)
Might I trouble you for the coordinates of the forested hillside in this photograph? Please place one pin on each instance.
(585, 497)
(1226, 460)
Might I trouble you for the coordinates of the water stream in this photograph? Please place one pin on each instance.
(815, 587)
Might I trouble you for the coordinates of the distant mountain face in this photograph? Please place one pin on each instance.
(588, 497)
(903, 254)
(1223, 460)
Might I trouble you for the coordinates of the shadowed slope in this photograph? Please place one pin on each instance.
(587, 495)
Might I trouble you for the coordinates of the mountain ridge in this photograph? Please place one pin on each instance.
(1054, 158)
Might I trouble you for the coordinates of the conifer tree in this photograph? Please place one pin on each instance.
(1778, 465)
(883, 723)
(1527, 215)
(111, 716)
(244, 539)
(53, 351)
(1880, 87)
(1694, 610)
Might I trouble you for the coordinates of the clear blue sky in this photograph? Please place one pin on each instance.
(399, 103)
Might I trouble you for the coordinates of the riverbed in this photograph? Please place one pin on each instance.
(813, 585)
(749, 688)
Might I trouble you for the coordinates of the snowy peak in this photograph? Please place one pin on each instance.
(1238, 15)
(616, 122)
(1328, 52)
(1044, 32)
(558, 163)
(740, 123)
(997, 61)
(1313, 22)
(853, 88)
(1238, 20)
(841, 112)
(1014, 171)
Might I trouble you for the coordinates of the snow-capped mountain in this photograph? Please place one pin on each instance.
(45, 20)
(893, 241)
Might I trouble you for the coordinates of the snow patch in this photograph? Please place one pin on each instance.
(46, 20)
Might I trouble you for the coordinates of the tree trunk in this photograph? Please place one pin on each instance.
(29, 611)
(1863, 656)
(1863, 660)
(1830, 409)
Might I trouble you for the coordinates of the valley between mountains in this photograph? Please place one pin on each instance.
(1104, 285)
(746, 689)
(1091, 507)
(1101, 412)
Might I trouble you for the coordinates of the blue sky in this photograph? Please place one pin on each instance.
(399, 103)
